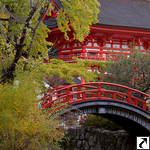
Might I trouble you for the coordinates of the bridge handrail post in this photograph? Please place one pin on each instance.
(83, 96)
(71, 89)
(114, 95)
(79, 89)
(136, 102)
(99, 90)
(68, 95)
(50, 101)
(144, 105)
(106, 94)
(129, 96)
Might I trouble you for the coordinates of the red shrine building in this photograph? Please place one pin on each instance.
(122, 25)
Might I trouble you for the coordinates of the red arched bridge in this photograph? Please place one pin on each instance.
(121, 104)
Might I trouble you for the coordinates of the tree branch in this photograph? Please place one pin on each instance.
(3, 67)
(29, 51)
(31, 3)
(14, 17)
(2, 19)
(9, 75)
(146, 88)
(6, 36)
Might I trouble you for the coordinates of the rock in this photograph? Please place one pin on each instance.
(124, 138)
(77, 137)
(128, 147)
(80, 130)
(123, 147)
(79, 143)
(95, 138)
(87, 135)
(83, 143)
(88, 129)
(110, 147)
(98, 145)
(91, 141)
(94, 130)
(89, 138)
(76, 149)
(93, 148)
(82, 137)
(119, 142)
(86, 146)
(72, 131)
(74, 143)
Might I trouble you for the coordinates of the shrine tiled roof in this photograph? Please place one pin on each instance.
(119, 13)
(76, 80)
(125, 13)
(50, 22)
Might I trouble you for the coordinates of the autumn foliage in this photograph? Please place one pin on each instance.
(24, 125)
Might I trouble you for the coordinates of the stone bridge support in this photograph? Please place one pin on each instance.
(90, 138)
(132, 119)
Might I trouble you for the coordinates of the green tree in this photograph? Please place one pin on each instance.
(99, 122)
(23, 34)
(132, 71)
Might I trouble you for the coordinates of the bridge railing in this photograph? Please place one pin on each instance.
(95, 91)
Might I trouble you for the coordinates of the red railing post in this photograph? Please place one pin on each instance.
(71, 90)
(99, 90)
(83, 96)
(79, 89)
(136, 102)
(68, 95)
(106, 94)
(50, 100)
(129, 96)
(144, 105)
(114, 95)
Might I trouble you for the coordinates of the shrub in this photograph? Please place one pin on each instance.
(99, 122)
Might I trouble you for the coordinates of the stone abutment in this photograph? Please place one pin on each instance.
(90, 138)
